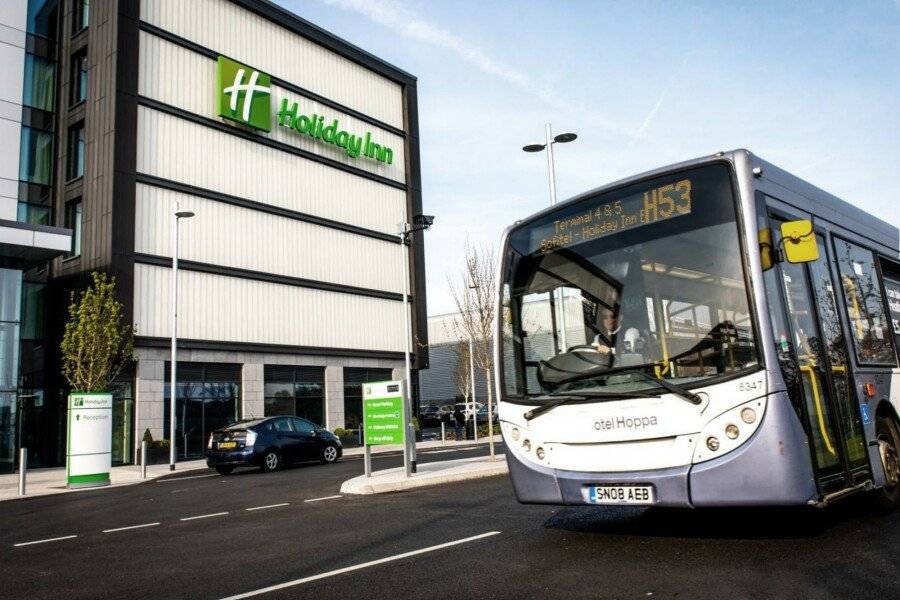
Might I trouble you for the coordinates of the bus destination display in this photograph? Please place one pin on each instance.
(646, 208)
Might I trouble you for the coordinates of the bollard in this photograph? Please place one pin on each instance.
(475, 425)
(443, 433)
(23, 467)
(144, 459)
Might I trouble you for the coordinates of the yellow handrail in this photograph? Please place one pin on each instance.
(818, 400)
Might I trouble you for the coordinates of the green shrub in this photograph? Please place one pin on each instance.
(148, 437)
(340, 432)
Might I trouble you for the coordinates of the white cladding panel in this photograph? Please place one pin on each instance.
(232, 236)
(225, 163)
(182, 78)
(246, 37)
(216, 307)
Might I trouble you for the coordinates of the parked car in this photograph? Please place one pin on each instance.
(483, 415)
(270, 444)
(468, 408)
(430, 415)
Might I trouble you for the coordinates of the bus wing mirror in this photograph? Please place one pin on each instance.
(799, 241)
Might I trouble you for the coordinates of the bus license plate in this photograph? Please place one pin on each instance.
(620, 494)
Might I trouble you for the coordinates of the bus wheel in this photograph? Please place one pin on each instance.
(888, 436)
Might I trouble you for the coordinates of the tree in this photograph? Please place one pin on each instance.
(96, 344)
(462, 374)
(474, 292)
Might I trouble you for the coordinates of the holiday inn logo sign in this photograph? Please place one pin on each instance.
(244, 95)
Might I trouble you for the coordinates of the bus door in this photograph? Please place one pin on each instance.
(821, 386)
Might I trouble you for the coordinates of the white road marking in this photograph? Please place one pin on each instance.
(56, 539)
(268, 506)
(131, 527)
(171, 479)
(323, 498)
(364, 565)
(218, 514)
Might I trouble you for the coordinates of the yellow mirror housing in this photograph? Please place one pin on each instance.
(799, 241)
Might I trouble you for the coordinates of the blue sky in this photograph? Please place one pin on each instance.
(813, 87)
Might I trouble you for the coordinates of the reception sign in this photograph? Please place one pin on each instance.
(383, 413)
(89, 440)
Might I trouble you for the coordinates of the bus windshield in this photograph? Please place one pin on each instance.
(617, 291)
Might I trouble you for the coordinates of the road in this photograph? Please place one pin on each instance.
(207, 536)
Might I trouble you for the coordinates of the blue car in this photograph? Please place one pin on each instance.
(270, 444)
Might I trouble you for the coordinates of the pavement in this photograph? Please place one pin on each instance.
(427, 474)
(42, 482)
(292, 534)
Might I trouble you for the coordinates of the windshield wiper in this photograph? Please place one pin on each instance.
(638, 370)
(672, 387)
(538, 411)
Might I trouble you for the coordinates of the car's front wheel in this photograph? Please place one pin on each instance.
(271, 461)
(329, 454)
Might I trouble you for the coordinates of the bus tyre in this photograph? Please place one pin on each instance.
(271, 461)
(888, 435)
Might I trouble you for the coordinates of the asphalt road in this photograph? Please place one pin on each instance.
(467, 540)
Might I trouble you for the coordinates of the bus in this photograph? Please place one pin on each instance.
(714, 333)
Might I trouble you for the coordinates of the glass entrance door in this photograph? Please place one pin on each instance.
(810, 336)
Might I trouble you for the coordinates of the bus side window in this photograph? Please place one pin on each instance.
(864, 303)
(892, 291)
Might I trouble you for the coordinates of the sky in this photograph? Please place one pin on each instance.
(813, 87)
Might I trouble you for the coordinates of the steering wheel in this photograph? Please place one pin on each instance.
(589, 347)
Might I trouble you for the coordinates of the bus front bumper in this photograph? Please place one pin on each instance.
(772, 468)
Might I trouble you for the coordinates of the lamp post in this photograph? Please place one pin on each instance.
(472, 286)
(420, 223)
(173, 387)
(562, 138)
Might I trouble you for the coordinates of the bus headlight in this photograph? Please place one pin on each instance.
(748, 415)
(540, 453)
(515, 434)
(728, 430)
(526, 444)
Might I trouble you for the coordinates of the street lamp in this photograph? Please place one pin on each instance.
(473, 286)
(419, 223)
(173, 387)
(562, 138)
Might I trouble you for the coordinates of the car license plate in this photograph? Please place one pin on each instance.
(227, 445)
(620, 494)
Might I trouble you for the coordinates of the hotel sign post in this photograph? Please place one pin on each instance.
(383, 412)
(89, 440)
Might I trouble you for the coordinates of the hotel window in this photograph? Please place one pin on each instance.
(40, 83)
(296, 391)
(76, 152)
(36, 156)
(82, 14)
(73, 222)
(354, 378)
(79, 79)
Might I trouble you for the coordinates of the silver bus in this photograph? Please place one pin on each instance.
(714, 333)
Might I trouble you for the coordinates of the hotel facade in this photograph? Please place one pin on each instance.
(298, 155)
